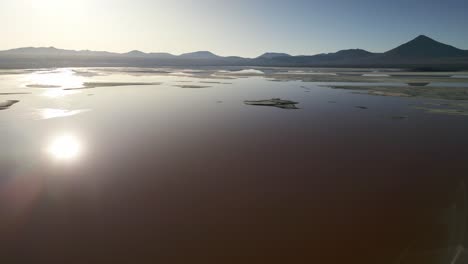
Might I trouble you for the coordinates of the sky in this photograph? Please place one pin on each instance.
(230, 27)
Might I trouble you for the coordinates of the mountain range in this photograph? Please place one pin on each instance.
(421, 52)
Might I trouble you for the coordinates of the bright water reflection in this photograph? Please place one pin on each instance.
(64, 78)
(66, 147)
(48, 113)
(58, 93)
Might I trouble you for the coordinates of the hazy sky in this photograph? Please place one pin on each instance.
(234, 27)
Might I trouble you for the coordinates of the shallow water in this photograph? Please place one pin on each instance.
(128, 174)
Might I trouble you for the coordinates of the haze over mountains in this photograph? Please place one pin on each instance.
(421, 52)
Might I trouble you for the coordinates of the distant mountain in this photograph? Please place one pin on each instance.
(199, 55)
(340, 57)
(272, 55)
(51, 51)
(352, 53)
(36, 51)
(135, 53)
(425, 47)
(421, 53)
(154, 55)
(95, 53)
(344, 55)
(161, 55)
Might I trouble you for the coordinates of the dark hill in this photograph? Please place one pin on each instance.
(272, 55)
(199, 55)
(425, 47)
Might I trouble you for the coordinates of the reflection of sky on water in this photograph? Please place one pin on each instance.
(244, 71)
(139, 141)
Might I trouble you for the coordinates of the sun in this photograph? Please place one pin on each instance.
(65, 147)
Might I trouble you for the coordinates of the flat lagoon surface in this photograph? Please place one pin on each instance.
(132, 165)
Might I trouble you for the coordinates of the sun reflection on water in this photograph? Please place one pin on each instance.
(56, 93)
(63, 78)
(65, 148)
(49, 113)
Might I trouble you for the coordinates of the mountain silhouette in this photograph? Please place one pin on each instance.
(272, 55)
(421, 52)
(52, 51)
(344, 55)
(200, 55)
(353, 53)
(135, 53)
(423, 46)
(161, 55)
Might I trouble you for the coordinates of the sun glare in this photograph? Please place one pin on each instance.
(65, 147)
(63, 78)
(58, 93)
(48, 113)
